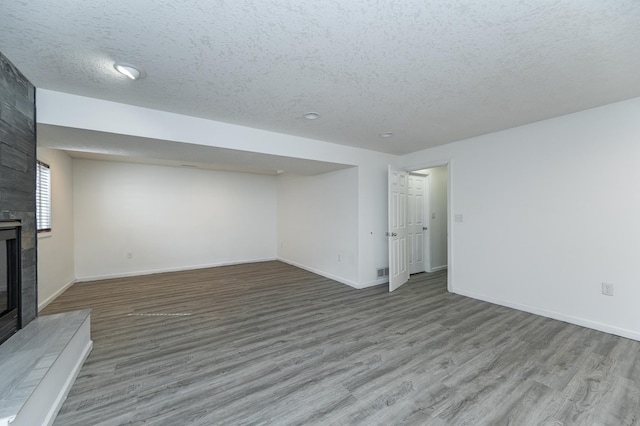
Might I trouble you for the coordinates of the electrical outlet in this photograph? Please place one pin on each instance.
(607, 289)
(129, 255)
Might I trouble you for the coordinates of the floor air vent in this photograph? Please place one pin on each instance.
(383, 272)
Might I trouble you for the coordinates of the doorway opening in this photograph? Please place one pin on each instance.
(427, 211)
(420, 222)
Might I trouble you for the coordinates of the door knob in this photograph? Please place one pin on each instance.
(424, 228)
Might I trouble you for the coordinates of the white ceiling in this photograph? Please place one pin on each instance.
(431, 72)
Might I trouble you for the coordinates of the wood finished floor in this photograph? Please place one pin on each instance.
(268, 343)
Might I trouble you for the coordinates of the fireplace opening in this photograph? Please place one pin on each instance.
(9, 279)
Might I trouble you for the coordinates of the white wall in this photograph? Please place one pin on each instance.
(55, 248)
(373, 216)
(551, 210)
(63, 109)
(438, 225)
(318, 223)
(168, 218)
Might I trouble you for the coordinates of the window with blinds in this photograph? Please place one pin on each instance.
(43, 197)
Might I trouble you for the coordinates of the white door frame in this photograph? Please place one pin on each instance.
(450, 194)
(418, 232)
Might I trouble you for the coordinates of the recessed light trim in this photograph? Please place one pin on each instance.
(386, 134)
(129, 70)
(311, 115)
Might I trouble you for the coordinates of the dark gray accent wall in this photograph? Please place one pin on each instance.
(18, 172)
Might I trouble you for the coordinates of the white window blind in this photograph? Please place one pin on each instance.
(43, 197)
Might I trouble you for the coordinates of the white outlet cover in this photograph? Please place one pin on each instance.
(459, 217)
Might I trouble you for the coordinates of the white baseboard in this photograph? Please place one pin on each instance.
(438, 268)
(350, 283)
(321, 273)
(629, 334)
(55, 295)
(173, 269)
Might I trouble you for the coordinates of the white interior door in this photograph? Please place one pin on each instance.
(416, 226)
(397, 234)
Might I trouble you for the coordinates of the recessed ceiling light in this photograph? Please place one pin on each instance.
(311, 115)
(130, 71)
(386, 134)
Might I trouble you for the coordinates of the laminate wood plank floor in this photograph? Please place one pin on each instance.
(271, 344)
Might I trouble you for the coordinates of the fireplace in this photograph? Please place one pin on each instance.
(9, 279)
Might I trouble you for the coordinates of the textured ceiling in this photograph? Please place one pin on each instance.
(431, 72)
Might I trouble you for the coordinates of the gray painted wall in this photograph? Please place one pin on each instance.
(18, 173)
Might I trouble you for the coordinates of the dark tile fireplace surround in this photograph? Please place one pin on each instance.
(17, 195)
(41, 361)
